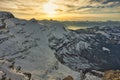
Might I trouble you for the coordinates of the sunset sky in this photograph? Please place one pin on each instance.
(95, 10)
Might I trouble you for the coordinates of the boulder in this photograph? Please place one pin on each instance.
(112, 75)
(68, 78)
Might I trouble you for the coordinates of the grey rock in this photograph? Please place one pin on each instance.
(6, 15)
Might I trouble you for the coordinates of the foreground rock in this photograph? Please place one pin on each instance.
(8, 71)
(112, 75)
(68, 78)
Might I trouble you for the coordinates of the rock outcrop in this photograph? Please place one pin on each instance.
(68, 78)
(112, 75)
(6, 15)
(8, 71)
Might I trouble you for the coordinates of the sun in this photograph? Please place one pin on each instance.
(50, 8)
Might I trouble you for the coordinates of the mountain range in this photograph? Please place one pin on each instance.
(46, 50)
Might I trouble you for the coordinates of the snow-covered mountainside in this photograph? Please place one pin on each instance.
(94, 48)
(24, 46)
(45, 50)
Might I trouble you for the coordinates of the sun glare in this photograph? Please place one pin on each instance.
(49, 8)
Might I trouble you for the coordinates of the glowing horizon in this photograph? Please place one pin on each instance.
(93, 10)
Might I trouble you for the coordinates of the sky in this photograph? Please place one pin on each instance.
(93, 10)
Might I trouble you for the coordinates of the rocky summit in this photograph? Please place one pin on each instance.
(6, 15)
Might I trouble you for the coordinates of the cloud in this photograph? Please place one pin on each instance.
(34, 8)
(107, 1)
(89, 6)
(23, 8)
